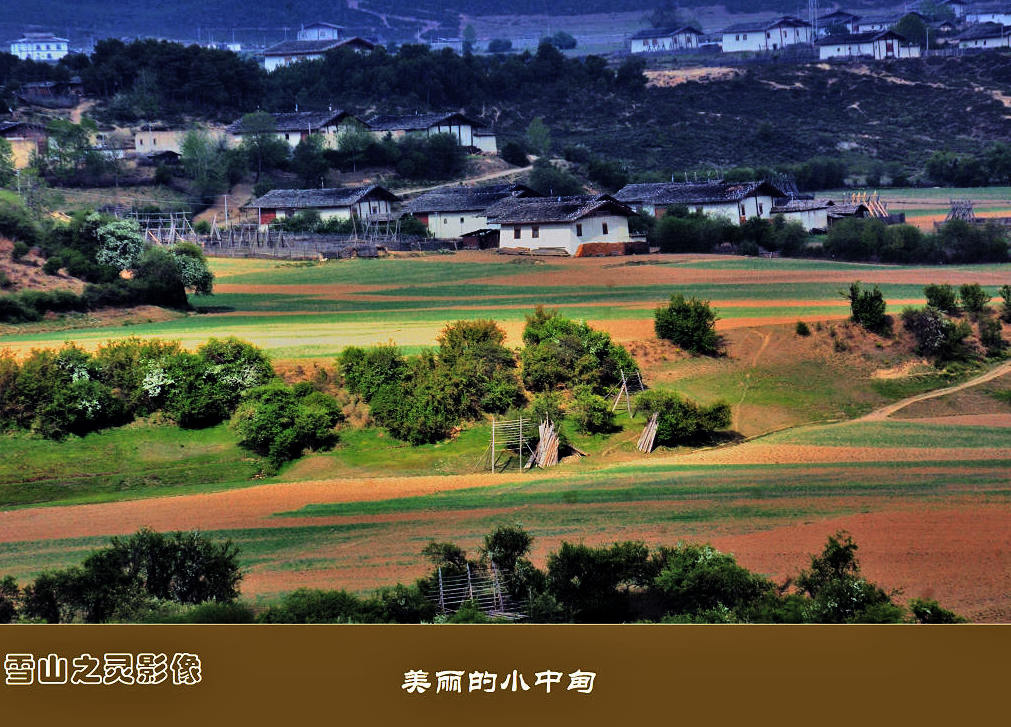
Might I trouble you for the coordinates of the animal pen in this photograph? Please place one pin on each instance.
(509, 437)
(483, 585)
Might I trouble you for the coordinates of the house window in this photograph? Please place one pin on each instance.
(141, 142)
(287, 137)
(698, 210)
(516, 233)
(761, 208)
(461, 220)
(603, 228)
(535, 232)
(743, 212)
(579, 230)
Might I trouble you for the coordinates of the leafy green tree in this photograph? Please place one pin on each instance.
(550, 180)
(592, 413)
(121, 244)
(936, 335)
(538, 136)
(193, 271)
(838, 591)
(309, 162)
(366, 371)
(694, 578)
(681, 421)
(500, 45)
(593, 584)
(202, 159)
(10, 600)
(929, 611)
(514, 153)
(689, 323)
(562, 40)
(469, 39)
(1005, 294)
(506, 545)
(277, 422)
(943, 297)
(867, 308)
(260, 142)
(352, 146)
(974, 298)
(7, 170)
(991, 336)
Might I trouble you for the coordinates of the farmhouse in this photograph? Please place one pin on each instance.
(578, 226)
(453, 212)
(736, 202)
(151, 139)
(25, 139)
(293, 127)
(44, 47)
(879, 44)
(984, 35)
(659, 40)
(838, 19)
(999, 13)
(468, 132)
(766, 35)
(312, 43)
(370, 202)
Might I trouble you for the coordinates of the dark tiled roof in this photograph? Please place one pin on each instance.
(984, 30)
(315, 198)
(301, 47)
(298, 121)
(757, 25)
(856, 38)
(554, 209)
(664, 32)
(9, 126)
(687, 193)
(881, 19)
(466, 199)
(848, 210)
(801, 205)
(417, 122)
(838, 14)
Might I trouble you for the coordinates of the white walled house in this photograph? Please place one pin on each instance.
(312, 43)
(769, 35)
(1000, 13)
(958, 7)
(468, 132)
(454, 212)
(579, 226)
(811, 213)
(44, 47)
(985, 36)
(837, 19)
(879, 45)
(293, 127)
(736, 202)
(660, 40)
(370, 202)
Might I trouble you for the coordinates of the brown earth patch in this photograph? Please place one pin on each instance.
(1001, 420)
(28, 274)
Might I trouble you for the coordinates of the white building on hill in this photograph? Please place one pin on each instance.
(44, 47)
(766, 35)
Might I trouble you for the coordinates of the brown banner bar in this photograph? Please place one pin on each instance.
(503, 675)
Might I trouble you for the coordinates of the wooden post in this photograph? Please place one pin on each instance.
(442, 594)
(470, 584)
(493, 445)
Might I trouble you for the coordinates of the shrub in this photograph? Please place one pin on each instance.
(974, 298)
(547, 405)
(867, 308)
(936, 335)
(929, 611)
(313, 606)
(277, 423)
(802, 329)
(19, 250)
(991, 336)
(681, 421)
(53, 265)
(1005, 293)
(942, 297)
(500, 45)
(202, 227)
(591, 412)
(366, 371)
(696, 578)
(17, 224)
(689, 323)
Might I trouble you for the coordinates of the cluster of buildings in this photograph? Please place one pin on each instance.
(513, 217)
(838, 34)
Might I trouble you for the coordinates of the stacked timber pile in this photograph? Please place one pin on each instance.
(648, 436)
(546, 454)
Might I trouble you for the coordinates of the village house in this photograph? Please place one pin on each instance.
(468, 132)
(766, 35)
(312, 43)
(454, 212)
(879, 45)
(150, 139)
(579, 226)
(291, 128)
(44, 47)
(25, 139)
(999, 13)
(958, 7)
(370, 202)
(838, 19)
(984, 36)
(659, 40)
(735, 201)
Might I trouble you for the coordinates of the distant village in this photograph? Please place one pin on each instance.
(509, 215)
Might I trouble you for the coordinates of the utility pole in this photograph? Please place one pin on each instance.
(226, 210)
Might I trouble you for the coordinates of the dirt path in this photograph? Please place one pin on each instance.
(765, 336)
(470, 180)
(237, 196)
(886, 411)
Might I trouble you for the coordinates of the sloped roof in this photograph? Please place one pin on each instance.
(304, 47)
(801, 205)
(687, 193)
(418, 122)
(546, 210)
(319, 198)
(984, 30)
(466, 199)
(299, 120)
(664, 32)
(322, 25)
(756, 25)
(848, 210)
(858, 38)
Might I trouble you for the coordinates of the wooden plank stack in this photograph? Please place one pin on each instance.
(648, 436)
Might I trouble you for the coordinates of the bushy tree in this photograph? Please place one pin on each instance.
(592, 413)
(936, 335)
(260, 143)
(942, 297)
(367, 370)
(309, 162)
(592, 584)
(974, 298)
(120, 244)
(689, 323)
(681, 421)
(194, 273)
(696, 578)
(203, 161)
(1005, 294)
(279, 422)
(7, 170)
(552, 181)
(514, 153)
(867, 308)
(991, 336)
(506, 545)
